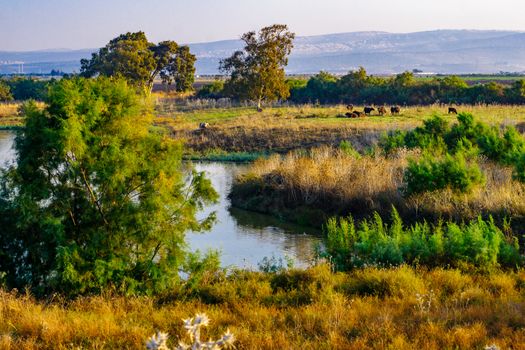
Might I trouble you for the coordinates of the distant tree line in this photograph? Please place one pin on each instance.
(22, 88)
(358, 87)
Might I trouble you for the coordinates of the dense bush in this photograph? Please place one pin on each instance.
(465, 139)
(97, 200)
(478, 243)
(430, 174)
(213, 90)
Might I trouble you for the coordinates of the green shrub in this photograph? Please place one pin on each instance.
(430, 174)
(478, 243)
(347, 148)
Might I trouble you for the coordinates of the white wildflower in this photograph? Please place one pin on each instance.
(158, 342)
(193, 327)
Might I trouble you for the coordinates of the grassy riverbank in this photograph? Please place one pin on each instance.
(310, 187)
(401, 308)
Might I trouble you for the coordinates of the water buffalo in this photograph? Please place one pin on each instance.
(381, 110)
(395, 110)
(358, 114)
(369, 110)
(452, 110)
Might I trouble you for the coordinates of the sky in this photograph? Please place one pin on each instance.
(51, 24)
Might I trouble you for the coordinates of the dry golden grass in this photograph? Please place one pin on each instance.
(9, 109)
(330, 180)
(313, 309)
(239, 129)
(10, 114)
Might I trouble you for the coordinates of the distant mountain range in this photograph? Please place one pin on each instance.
(440, 51)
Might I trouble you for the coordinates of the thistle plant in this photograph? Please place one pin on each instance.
(193, 328)
(424, 301)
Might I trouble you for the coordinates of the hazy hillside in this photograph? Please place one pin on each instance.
(443, 51)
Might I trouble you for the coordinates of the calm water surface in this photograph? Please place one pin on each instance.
(243, 238)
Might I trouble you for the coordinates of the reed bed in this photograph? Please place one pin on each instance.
(336, 183)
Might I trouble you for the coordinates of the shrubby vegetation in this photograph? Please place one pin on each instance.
(431, 174)
(97, 199)
(448, 148)
(479, 243)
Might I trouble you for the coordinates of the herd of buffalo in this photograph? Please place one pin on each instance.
(381, 111)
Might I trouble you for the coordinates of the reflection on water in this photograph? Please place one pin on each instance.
(244, 238)
(6, 147)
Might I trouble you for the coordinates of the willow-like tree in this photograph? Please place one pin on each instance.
(257, 73)
(98, 199)
(140, 62)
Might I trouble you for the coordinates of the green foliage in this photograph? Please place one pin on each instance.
(24, 89)
(274, 264)
(213, 90)
(430, 174)
(5, 92)
(357, 87)
(465, 139)
(180, 69)
(478, 243)
(347, 148)
(98, 199)
(134, 58)
(257, 73)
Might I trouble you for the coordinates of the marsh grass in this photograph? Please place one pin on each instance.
(313, 309)
(336, 183)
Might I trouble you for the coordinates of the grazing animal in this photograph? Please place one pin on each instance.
(203, 126)
(381, 110)
(350, 115)
(395, 110)
(350, 107)
(452, 110)
(358, 114)
(369, 110)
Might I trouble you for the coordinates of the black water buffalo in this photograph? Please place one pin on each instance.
(369, 110)
(395, 110)
(452, 110)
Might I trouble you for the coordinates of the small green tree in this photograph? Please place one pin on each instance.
(257, 73)
(5, 92)
(97, 199)
(134, 58)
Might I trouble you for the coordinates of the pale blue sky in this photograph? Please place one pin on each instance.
(43, 24)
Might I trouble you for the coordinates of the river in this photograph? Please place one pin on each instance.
(243, 238)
